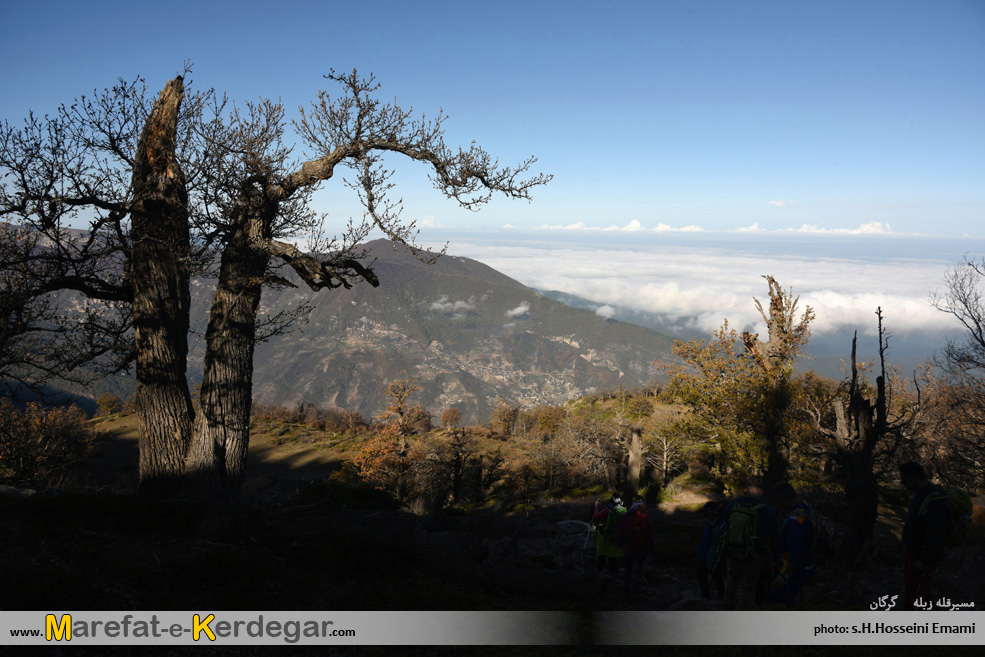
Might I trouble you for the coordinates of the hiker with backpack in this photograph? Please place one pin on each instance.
(750, 542)
(708, 563)
(797, 538)
(924, 533)
(637, 539)
(606, 521)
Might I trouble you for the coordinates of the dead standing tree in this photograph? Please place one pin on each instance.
(863, 431)
(109, 161)
(161, 275)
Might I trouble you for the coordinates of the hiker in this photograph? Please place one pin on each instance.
(708, 562)
(796, 546)
(637, 539)
(924, 533)
(607, 522)
(750, 541)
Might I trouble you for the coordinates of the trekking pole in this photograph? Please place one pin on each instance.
(591, 526)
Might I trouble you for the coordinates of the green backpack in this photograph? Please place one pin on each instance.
(741, 540)
(959, 511)
(611, 526)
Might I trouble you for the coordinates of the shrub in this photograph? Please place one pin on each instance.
(109, 404)
(40, 446)
(451, 418)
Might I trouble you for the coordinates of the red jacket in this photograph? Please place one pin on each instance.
(635, 534)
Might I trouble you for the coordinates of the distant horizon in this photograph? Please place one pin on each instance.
(705, 278)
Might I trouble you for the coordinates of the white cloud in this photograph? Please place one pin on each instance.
(575, 226)
(429, 222)
(633, 226)
(519, 311)
(872, 228)
(445, 305)
(780, 204)
(699, 277)
(606, 312)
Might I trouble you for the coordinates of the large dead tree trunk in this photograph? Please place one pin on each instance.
(161, 275)
(859, 428)
(855, 435)
(634, 461)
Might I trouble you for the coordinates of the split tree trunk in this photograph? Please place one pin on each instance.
(161, 299)
(855, 440)
(855, 435)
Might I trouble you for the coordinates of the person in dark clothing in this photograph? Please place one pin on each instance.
(796, 546)
(924, 533)
(750, 567)
(708, 562)
(637, 539)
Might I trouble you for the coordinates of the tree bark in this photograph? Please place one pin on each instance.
(161, 298)
(217, 460)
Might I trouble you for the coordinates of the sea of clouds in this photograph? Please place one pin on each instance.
(707, 277)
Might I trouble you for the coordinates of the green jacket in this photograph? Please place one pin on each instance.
(608, 519)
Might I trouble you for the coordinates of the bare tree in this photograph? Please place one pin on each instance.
(599, 445)
(864, 432)
(58, 170)
(269, 196)
(669, 446)
(227, 175)
(963, 364)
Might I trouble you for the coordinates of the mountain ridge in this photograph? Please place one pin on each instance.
(469, 335)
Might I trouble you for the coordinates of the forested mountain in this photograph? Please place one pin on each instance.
(469, 335)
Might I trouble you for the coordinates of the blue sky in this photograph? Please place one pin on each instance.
(720, 115)
(762, 122)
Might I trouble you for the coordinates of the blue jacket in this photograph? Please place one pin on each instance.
(796, 537)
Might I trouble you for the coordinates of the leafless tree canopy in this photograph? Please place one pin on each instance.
(189, 184)
(963, 362)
